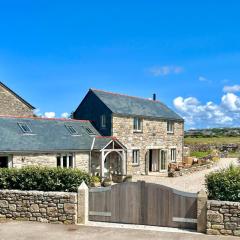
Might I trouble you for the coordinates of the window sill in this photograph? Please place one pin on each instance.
(170, 133)
(137, 131)
(135, 164)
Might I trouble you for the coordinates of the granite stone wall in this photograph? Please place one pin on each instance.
(223, 218)
(49, 207)
(11, 105)
(153, 135)
(47, 160)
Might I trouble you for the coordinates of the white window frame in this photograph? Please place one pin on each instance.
(137, 155)
(103, 121)
(173, 155)
(170, 127)
(66, 155)
(138, 125)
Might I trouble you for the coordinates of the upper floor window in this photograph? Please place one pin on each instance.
(65, 161)
(173, 155)
(137, 124)
(170, 127)
(103, 121)
(135, 157)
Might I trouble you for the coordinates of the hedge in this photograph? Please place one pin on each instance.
(43, 179)
(224, 185)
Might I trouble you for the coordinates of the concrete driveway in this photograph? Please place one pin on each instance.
(32, 231)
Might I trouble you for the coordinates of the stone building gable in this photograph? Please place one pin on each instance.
(153, 135)
(13, 105)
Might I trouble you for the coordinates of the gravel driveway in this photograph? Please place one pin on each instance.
(190, 183)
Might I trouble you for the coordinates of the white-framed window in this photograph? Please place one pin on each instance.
(173, 155)
(136, 157)
(103, 121)
(137, 124)
(170, 126)
(65, 161)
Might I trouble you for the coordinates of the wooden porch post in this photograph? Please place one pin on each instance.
(102, 163)
(124, 163)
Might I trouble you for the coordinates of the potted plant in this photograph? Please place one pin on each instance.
(107, 182)
(95, 181)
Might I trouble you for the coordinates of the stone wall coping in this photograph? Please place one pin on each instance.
(220, 203)
(34, 192)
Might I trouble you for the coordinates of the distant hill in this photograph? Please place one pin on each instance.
(213, 132)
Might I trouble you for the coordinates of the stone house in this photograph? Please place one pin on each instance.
(109, 135)
(68, 143)
(150, 131)
(12, 104)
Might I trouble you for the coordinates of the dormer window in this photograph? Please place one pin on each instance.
(24, 127)
(170, 127)
(137, 124)
(103, 121)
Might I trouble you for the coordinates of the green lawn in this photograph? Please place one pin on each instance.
(212, 140)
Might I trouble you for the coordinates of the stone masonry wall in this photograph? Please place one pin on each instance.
(50, 207)
(223, 218)
(44, 159)
(153, 135)
(11, 105)
(48, 160)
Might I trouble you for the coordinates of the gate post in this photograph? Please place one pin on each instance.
(143, 202)
(82, 204)
(202, 211)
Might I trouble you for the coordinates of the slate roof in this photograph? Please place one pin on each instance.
(134, 106)
(17, 96)
(101, 142)
(48, 135)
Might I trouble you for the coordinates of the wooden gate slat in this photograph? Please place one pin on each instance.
(143, 203)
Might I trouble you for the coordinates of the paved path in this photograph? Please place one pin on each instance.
(191, 182)
(36, 231)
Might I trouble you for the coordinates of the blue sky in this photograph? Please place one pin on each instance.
(187, 52)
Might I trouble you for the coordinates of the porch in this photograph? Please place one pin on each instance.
(110, 161)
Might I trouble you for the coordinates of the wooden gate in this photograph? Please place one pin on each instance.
(143, 203)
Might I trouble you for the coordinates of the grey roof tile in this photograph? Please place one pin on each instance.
(46, 136)
(128, 105)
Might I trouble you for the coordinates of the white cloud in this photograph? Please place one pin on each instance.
(165, 70)
(49, 114)
(202, 79)
(65, 115)
(234, 88)
(209, 114)
(231, 102)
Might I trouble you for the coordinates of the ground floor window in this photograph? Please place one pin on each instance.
(3, 162)
(65, 161)
(173, 155)
(135, 157)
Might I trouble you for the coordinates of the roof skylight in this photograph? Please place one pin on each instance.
(24, 127)
(72, 130)
(89, 131)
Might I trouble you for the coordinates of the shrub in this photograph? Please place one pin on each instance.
(200, 154)
(42, 179)
(224, 185)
